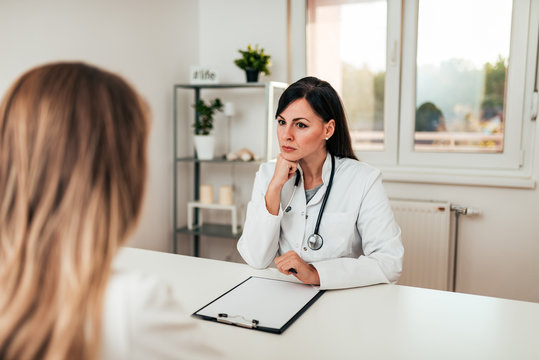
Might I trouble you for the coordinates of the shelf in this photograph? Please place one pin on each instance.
(232, 85)
(217, 160)
(205, 229)
(215, 230)
(215, 206)
(194, 205)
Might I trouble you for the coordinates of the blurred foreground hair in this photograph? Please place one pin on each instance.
(72, 175)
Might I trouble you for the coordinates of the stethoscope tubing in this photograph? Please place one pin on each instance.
(326, 195)
(313, 244)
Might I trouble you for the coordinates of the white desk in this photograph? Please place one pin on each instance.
(376, 322)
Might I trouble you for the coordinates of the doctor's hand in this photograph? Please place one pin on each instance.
(304, 272)
(284, 170)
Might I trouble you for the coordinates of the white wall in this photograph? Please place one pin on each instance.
(151, 43)
(498, 251)
(226, 26)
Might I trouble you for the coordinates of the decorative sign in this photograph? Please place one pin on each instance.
(203, 75)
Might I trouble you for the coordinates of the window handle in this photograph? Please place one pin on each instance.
(534, 105)
(394, 53)
(535, 91)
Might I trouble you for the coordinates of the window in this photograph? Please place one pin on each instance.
(461, 75)
(444, 87)
(357, 73)
(347, 45)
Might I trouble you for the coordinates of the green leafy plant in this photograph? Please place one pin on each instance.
(254, 58)
(204, 122)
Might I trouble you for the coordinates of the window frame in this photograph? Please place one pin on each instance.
(389, 155)
(510, 158)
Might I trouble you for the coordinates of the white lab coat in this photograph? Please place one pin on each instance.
(362, 241)
(142, 319)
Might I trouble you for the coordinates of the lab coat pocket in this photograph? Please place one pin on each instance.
(337, 229)
(294, 223)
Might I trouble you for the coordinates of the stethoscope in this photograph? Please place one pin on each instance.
(315, 241)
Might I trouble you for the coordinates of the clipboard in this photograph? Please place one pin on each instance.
(263, 304)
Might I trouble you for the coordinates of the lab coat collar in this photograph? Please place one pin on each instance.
(326, 173)
(326, 169)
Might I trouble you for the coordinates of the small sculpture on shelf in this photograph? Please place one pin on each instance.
(242, 154)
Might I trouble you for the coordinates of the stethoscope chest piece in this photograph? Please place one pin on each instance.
(315, 241)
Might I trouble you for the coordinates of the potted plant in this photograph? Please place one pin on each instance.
(204, 142)
(253, 61)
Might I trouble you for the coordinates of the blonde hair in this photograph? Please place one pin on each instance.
(72, 175)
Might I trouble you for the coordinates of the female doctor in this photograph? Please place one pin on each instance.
(317, 212)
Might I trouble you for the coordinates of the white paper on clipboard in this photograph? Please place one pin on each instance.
(271, 302)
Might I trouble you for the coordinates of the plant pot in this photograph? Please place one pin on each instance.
(204, 145)
(252, 75)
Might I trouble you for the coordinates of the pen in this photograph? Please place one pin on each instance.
(292, 270)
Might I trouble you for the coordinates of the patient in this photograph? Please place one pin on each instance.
(72, 177)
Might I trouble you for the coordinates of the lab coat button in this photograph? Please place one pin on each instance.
(305, 248)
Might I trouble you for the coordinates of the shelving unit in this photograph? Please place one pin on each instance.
(192, 205)
(208, 229)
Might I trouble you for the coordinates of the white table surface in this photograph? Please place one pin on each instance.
(375, 322)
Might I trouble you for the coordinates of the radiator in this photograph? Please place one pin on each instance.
(428, 249)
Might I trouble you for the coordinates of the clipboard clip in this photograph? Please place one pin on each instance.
(224, 318)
